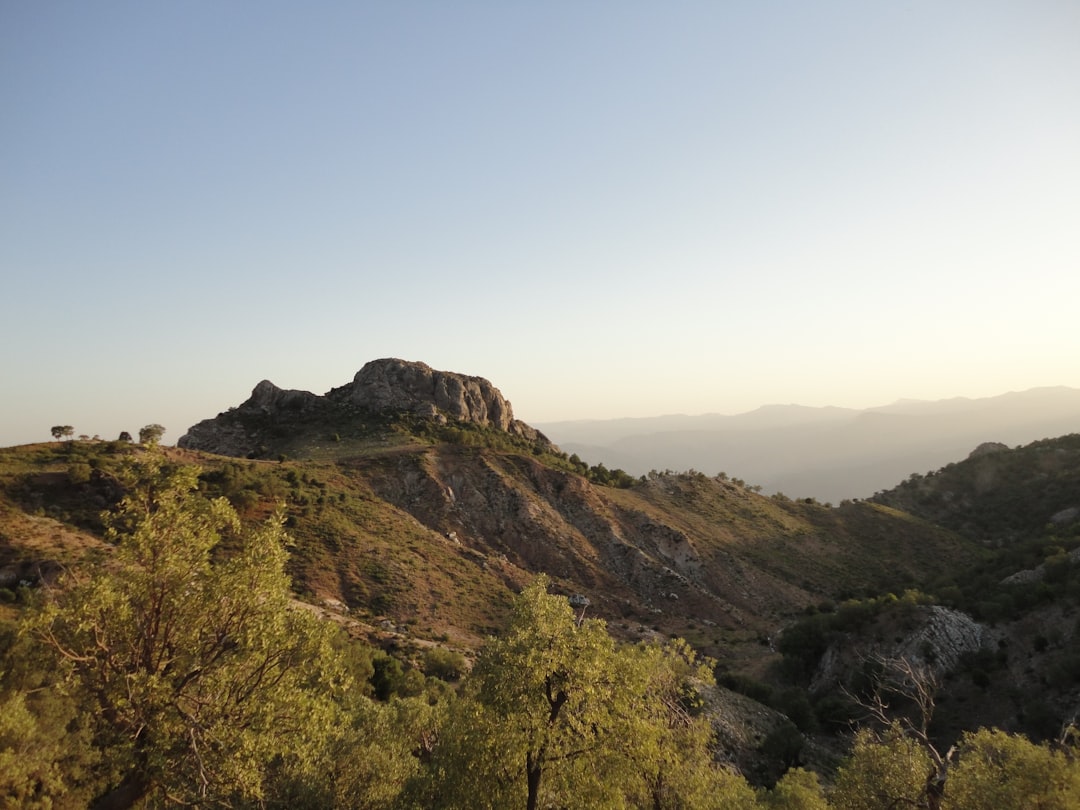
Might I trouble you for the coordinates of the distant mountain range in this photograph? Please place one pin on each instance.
(826, 453)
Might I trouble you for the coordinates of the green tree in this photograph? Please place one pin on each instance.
(198, 674)
(379, 751)
(537, 712)
(151, 434)
(555, 714)
(999, 771)
(448, 665)
(797, 789)
(43, 751)
(889, 770)
(80, 472)
(670, 737)
(60, 431)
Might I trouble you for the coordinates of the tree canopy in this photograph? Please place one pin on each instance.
(199, 671)
(555, 713)
(151, 434)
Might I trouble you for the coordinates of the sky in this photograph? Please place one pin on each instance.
(608, 209)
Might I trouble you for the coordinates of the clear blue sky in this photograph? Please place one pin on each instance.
(606, 208)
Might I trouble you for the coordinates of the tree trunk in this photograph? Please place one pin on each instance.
(133, 787)
(533, 772)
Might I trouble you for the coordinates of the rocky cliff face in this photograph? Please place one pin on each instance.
(380, 387)
(398, 385)
(939, 639)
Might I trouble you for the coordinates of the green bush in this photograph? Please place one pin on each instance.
(444, 664)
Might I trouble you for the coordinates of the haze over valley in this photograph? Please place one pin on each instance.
(828, 453)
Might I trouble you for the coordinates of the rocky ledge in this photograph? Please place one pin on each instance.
(381, 386)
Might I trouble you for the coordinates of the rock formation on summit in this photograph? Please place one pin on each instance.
(398, 385)
(273, 415)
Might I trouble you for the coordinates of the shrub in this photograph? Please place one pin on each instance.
(444, 664)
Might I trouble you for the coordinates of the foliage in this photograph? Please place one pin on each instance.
(199, 673)
(60, 431)
(151, 434)
(555, 713)
(886, 771)
(797, 789)
(999, 771)
(43, 751)
(1003, 497)
(390, 677)
(79, 473)
(540, 703)
(440, 662)
(804, 642)
(599, 474)
(672, 737)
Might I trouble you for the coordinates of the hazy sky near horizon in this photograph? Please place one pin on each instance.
(606, 208)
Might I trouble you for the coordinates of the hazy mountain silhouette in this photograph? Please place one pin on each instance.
(826, 453)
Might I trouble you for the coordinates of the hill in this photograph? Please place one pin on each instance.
(420, 509)
(1000, 638)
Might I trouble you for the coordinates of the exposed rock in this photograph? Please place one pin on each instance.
(1065, 515)
(398, 385)
(986, 448)
(939, 641)
(1038, 573)
(945, 637)
(388, 385)
(268, 397)
(226, 438)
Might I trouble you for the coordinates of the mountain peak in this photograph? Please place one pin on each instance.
(274, 418)
(391, 384)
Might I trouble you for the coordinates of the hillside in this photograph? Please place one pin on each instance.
(419, 508)
(425, 526)
(998, 495)
(1001, 637)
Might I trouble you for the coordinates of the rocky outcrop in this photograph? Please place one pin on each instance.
(1038, 573)
(388, 385)
(986, 448)
(939, 640)
(1065, 516)
(945, 637)
(399, 385)
(267, 397)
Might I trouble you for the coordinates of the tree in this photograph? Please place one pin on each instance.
(999, 771)
(537, 707)
(198, 674)
(886, 770)
(670, 738)
(60, 431)
(151, 434)
(556, 714)
(378, 752)
(797, 789)
(124, 436)
(32, 766)
(915, 685)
